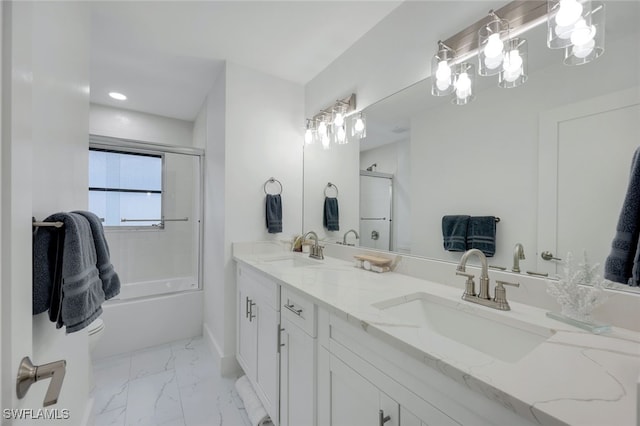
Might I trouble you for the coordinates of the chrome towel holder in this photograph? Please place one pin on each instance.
(272, 180)
(329, 186)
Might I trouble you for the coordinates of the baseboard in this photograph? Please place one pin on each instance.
(88, 418)
(227, 364)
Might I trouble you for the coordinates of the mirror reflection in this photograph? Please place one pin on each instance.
(550, 158)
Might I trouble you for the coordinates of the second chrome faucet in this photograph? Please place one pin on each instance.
(499, 301)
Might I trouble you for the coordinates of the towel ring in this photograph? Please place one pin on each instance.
(329, 186)
(272, 180)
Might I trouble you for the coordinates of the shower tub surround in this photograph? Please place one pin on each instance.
(569, 377)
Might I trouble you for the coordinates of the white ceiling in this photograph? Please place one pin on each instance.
(165, 55)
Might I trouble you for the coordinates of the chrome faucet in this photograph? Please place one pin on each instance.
(344, 238)
(316, 249)
(518, 255)
(483, 298)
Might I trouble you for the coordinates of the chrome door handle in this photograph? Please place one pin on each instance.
(28, 374)
(382, 419)
(547, 255)
(251, 305)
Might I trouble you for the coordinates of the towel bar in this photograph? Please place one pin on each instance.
(182, 219)
(330, 185)
(47, 224)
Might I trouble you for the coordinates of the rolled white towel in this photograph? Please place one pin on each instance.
(255, 411)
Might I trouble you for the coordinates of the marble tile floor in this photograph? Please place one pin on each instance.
(176, 384)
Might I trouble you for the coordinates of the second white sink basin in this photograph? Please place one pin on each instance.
(491, 333)
(292, 261)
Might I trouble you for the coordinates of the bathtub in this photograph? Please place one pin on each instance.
(150, 313)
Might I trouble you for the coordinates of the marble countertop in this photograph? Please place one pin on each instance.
(573, 377)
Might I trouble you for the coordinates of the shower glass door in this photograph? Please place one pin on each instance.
(150, 197)
(376, 195)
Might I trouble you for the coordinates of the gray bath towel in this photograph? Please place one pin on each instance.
(621, 265)
(454, 232)
(481, 234)
(48, 247)
(81, 289)
(331, 219)
(108, 276)
(274, 213)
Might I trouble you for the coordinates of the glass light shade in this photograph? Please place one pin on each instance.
(587, 40)
(341, 135)
(464, 83)
(441, 72)
(309, 133)
(491, 46)
(359, 127)
(514, 67)
(323, 131)
(564, 19)
(338, 115)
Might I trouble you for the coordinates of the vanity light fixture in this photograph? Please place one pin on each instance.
(118, 96)
(441, 73)
(587, 41)
(332, 123)
(577, 26)
(491, 50)
(309, 136)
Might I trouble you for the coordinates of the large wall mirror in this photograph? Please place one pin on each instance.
(551, 159)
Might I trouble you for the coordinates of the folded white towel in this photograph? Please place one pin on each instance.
(255, 411)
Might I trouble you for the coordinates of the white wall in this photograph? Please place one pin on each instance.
(139, 126)
(59, 158)
(254, 131)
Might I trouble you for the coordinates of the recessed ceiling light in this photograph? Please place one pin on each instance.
(118, 96)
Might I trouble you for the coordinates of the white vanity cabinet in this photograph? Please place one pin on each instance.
(257, 329)
(298, 360)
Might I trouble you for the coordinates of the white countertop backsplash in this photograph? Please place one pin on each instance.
(574, 377)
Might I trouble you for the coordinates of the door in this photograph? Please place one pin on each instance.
(376, 191)
(45, 71)
(297, 378)
(581, 194)
(357, 402)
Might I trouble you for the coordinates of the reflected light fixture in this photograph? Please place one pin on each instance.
(564, 18)
(331, 123)
(514, 67)
(464, 76)
(118, 96)
(587, 41)
(359, 128)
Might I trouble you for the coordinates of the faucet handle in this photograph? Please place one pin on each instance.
(501, 295)
(470, 285)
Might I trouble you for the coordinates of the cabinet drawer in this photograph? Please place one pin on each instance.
(259, 286)
(300, 311)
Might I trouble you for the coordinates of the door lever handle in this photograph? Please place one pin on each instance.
(28, 374)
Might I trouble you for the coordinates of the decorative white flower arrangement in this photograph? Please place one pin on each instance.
(580, 290)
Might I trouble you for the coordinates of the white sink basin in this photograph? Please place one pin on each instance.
(491, 333)
(292, 261)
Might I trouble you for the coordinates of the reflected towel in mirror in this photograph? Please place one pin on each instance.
(331, 219)
(481, 234)
(454, 232)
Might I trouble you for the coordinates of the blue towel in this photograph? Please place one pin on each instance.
(81, 293)
(274, 213)
(108, 276)
(622, 264)
(454, 232)
(481, 234)
(331, 219)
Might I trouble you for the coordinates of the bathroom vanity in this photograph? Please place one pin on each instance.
(325, 343)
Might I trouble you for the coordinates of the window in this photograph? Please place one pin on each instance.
(125, 187)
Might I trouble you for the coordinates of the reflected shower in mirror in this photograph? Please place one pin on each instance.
(551, 158)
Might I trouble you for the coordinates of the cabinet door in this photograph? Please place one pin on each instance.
(247, 331)
(267, 322)
(355, 401)
(297, 378)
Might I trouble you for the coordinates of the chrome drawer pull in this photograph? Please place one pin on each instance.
(293, 309)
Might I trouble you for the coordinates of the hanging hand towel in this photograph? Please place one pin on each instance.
(454, 232)
(81, 293)
(619, 266)
(108, 276)
(481, 234)
(274, 213)
(331, 216)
